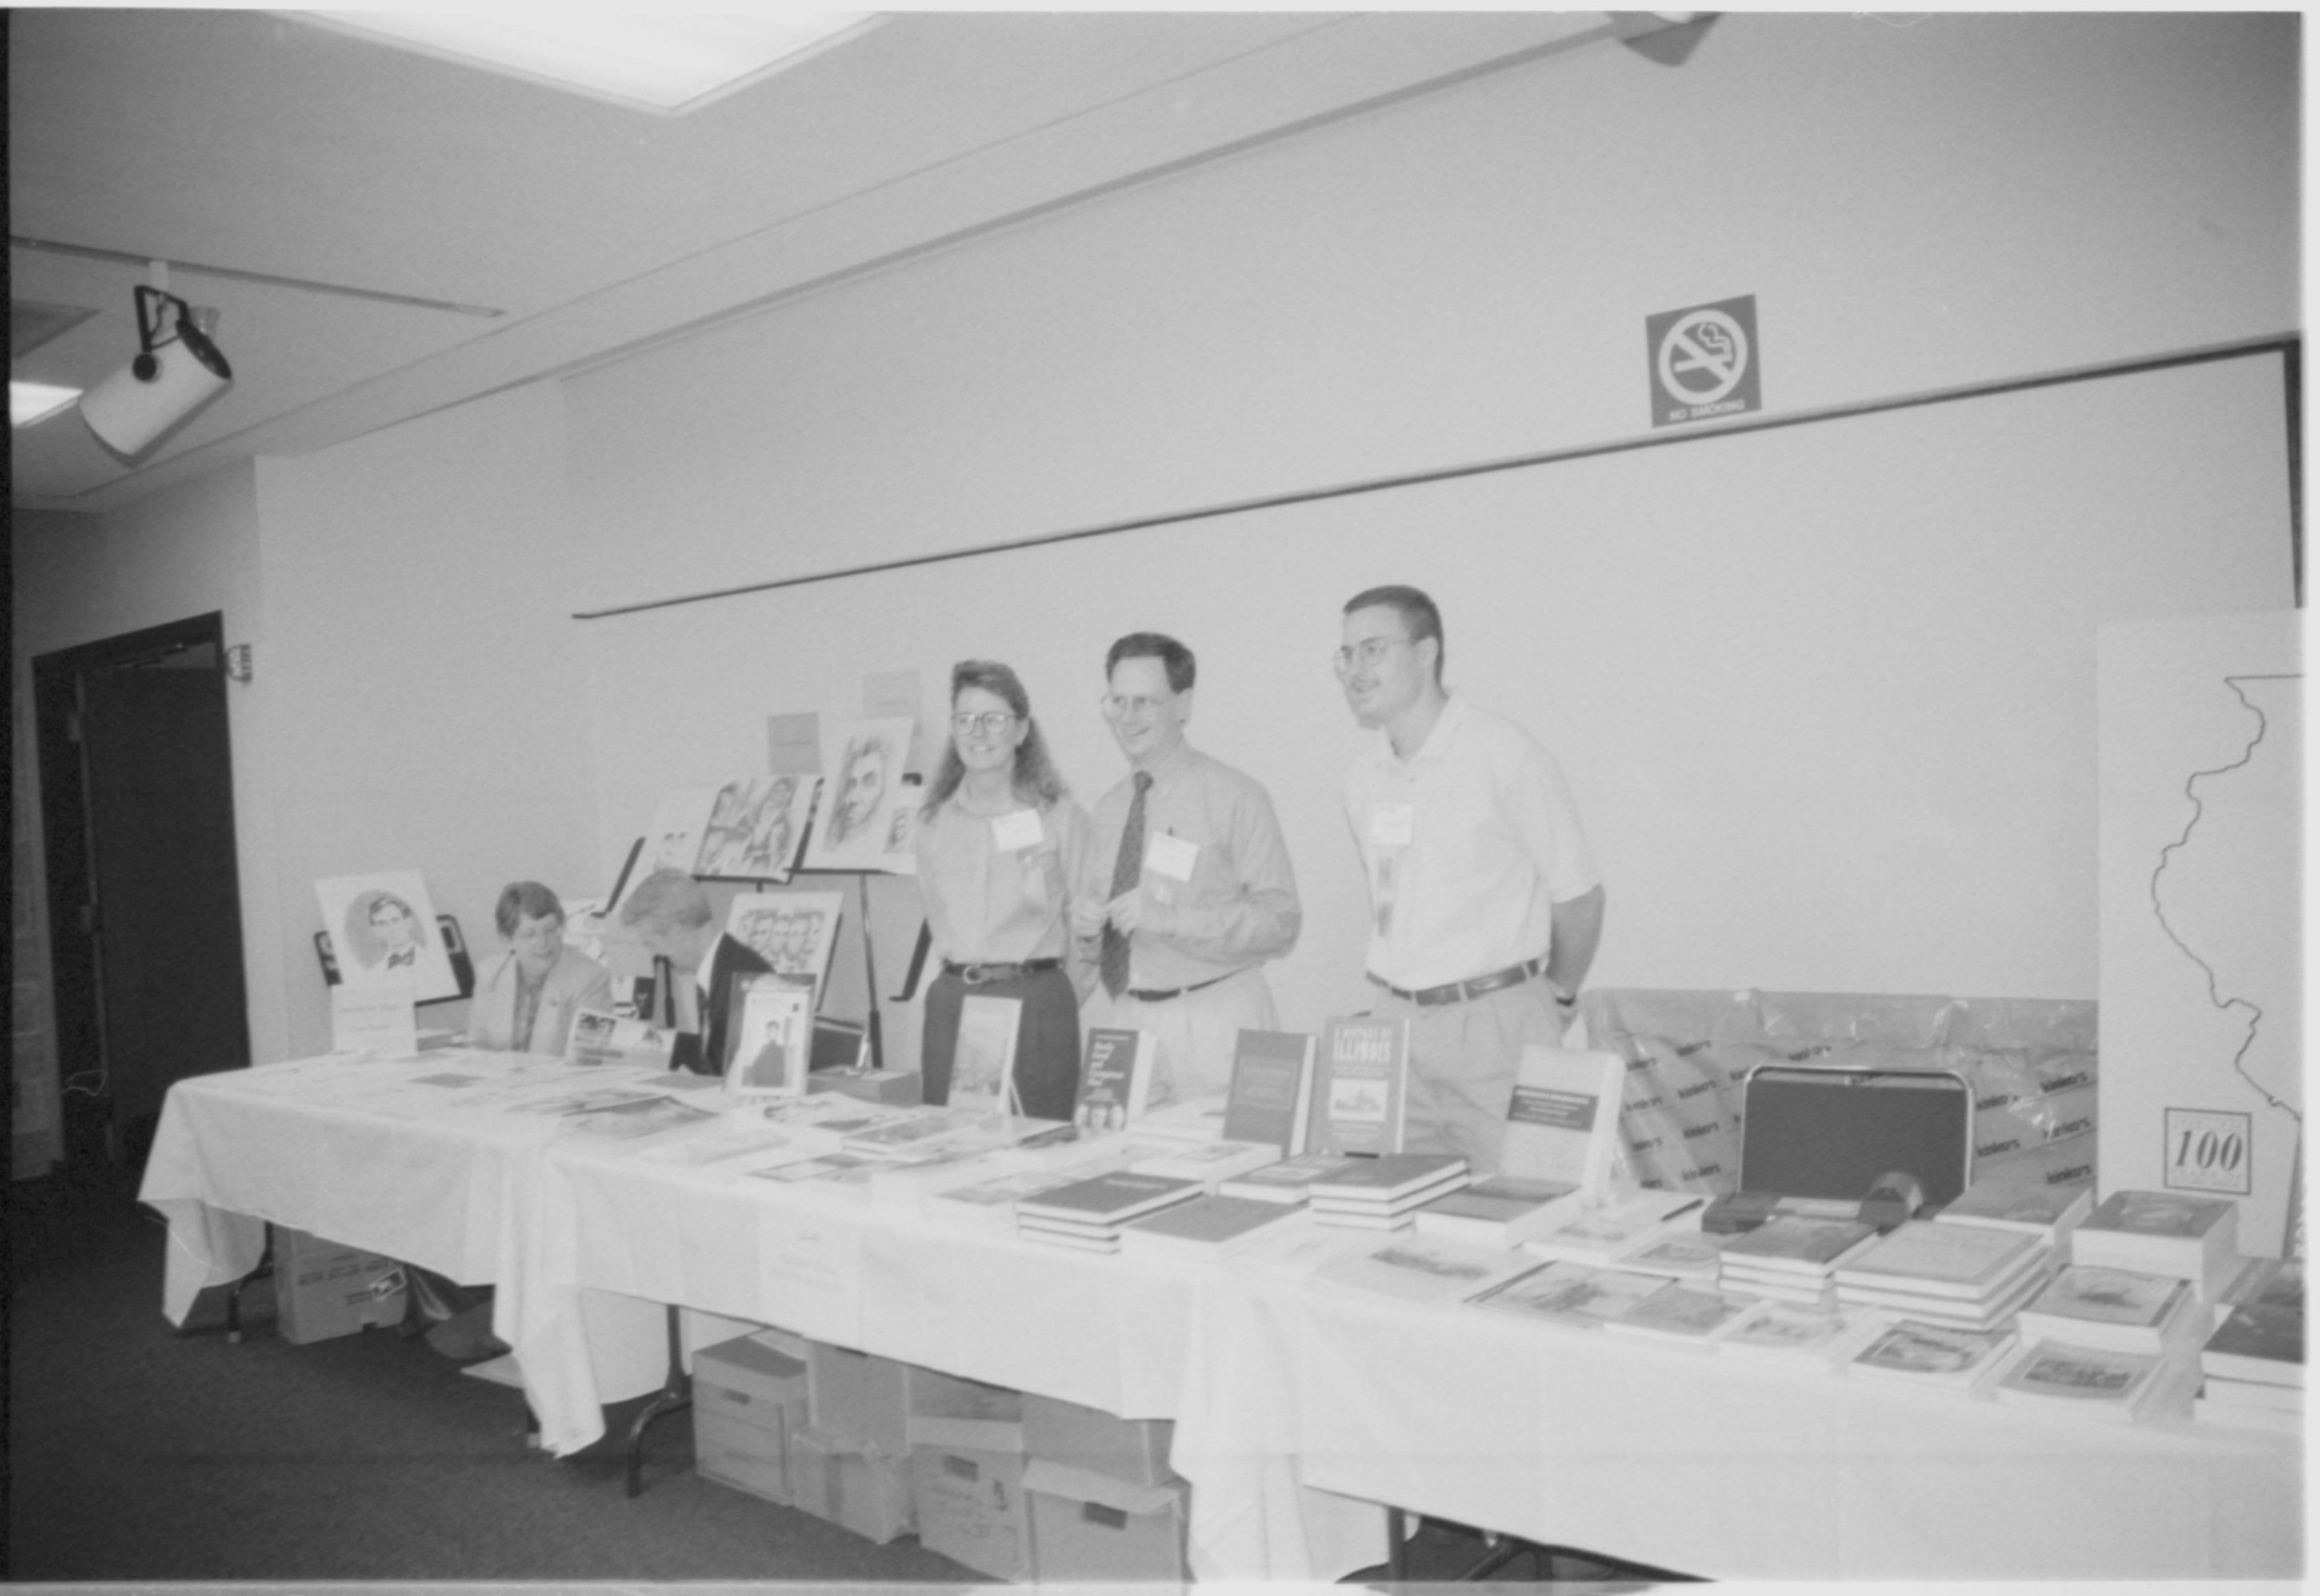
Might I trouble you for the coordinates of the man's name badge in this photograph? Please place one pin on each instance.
(1019, 829)
(1393, 825)
(1172, 856)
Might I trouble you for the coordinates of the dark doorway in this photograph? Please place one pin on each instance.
(144, 897)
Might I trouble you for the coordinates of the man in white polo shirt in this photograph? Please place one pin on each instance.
(1485, 903)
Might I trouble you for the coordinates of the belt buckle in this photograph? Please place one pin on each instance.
(970, 973)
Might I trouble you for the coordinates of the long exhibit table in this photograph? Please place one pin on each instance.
(1301, 1408)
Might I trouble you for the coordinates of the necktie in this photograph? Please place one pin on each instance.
(1113, 964)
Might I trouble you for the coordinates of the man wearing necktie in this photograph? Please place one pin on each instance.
(1191, 888)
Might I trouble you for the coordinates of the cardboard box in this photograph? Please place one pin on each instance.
(862, 1492)
(1078, 1437)
(1087, 1526)
(321, 1289)
(746, 1399)
(970, 1507)
(859, 1399)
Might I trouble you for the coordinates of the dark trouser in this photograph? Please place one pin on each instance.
(1046, 1044)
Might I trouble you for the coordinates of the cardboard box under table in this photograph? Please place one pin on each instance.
(966, 1473)
(748, 1399)
(1089, 1525)
(323, 1289)
(1089, 1439)
(867, 1493)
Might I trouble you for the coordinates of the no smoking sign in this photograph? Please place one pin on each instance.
(1704, 361)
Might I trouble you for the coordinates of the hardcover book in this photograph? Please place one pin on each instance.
(1289, 1180)
(768, 1037)
(1913, 1351)
(1498, 1211)
(1563, 1118)
(1977, 1313)
(2096, 1382)
(1115, 1077)
(1270, 1098)
(1943, 1260)
(983, 1068)
(1361, 1086)
(1576, 1294)
(1383, 1181)
(2258, 1341)
(1794, 1245)
(1109, 1198)
(1209, 1226)
(2050, 1212)
(2122, 1310)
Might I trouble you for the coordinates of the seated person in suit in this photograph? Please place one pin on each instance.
(526, 1001)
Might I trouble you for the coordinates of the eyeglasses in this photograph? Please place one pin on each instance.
(1370, 652)
(1123, 706)
(989, 723)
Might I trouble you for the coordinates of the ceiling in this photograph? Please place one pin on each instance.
(383, 233)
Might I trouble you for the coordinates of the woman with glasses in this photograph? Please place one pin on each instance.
(999, 844)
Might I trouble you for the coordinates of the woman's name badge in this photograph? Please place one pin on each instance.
(1020, 830)
(1393, 825)
(1172, 856)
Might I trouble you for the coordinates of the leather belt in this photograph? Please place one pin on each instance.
(982, 974)
(1177, 991)
(1459, 992)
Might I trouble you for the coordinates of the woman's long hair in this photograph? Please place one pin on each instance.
(1034, 778)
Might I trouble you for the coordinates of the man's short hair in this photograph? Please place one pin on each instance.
(525, 900)
(1174, 657)
(387, 903)
(666, 900)
(1419, 617)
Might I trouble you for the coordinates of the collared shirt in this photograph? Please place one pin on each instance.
(1469, 843)
(1216, 873)
(996, 887)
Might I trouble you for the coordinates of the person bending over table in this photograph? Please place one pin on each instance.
(672, 916)
(999, 845)
(526, 1001)
(1485, 903)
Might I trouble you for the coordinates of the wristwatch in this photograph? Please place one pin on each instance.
(1563, 999)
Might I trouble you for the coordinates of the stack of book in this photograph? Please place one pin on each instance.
(2048, 1212)
(1381, 1193)
(2193, 1238)
(1089, 1213)
(2251, 1367)
(2093, 1381)
(1914, 1352)
(1611, 1232)
(1972, 1275)
(1498, 1211)
(2117, 1310)
(1792, 1258)
(989, 1205)
(1290, 1181)
(1207, 1226)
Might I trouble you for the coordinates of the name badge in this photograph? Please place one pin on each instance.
(1393, 825)
(1172, 856)
(1012, 832)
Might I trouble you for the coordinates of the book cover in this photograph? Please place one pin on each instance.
(2050, 1212)
(1980, 1313)
(1270, 1097)
(1563, 1118)
(1115, 1077)
(1386, 1179)
(2258, 1341)
(1109, 1198)
(983, 1068)
(1928, 1354)
(1421, 1271)
(2088, 1380)
(1206, 1225)
(769, 1038)
(1497, 1212)
(599, 1039)
(1289, 1180)
(1945, 1260)
(1576, 1294)
(2091, 1294)
(1361, 1086)
(1793, 1333)
(1800, 1245)
(2171, 1215)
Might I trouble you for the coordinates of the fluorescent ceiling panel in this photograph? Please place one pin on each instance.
(669, 61)
(36, 402)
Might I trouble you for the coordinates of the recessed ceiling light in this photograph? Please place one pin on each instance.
(670, 61)
(37, 402)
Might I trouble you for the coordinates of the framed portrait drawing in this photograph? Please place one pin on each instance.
(792, 932)
(755, 827)
(383, 930)
(861, 787)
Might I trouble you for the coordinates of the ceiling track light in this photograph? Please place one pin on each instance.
(177, 370)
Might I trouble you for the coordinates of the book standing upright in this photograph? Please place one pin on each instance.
(1361, 1088)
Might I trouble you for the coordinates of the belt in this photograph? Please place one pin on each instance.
(1458, 992)
(982, 974)
(1175, 991)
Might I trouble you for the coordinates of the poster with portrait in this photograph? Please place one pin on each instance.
(755, 826)
(383, 930)
(792, 932)
(861, 789)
